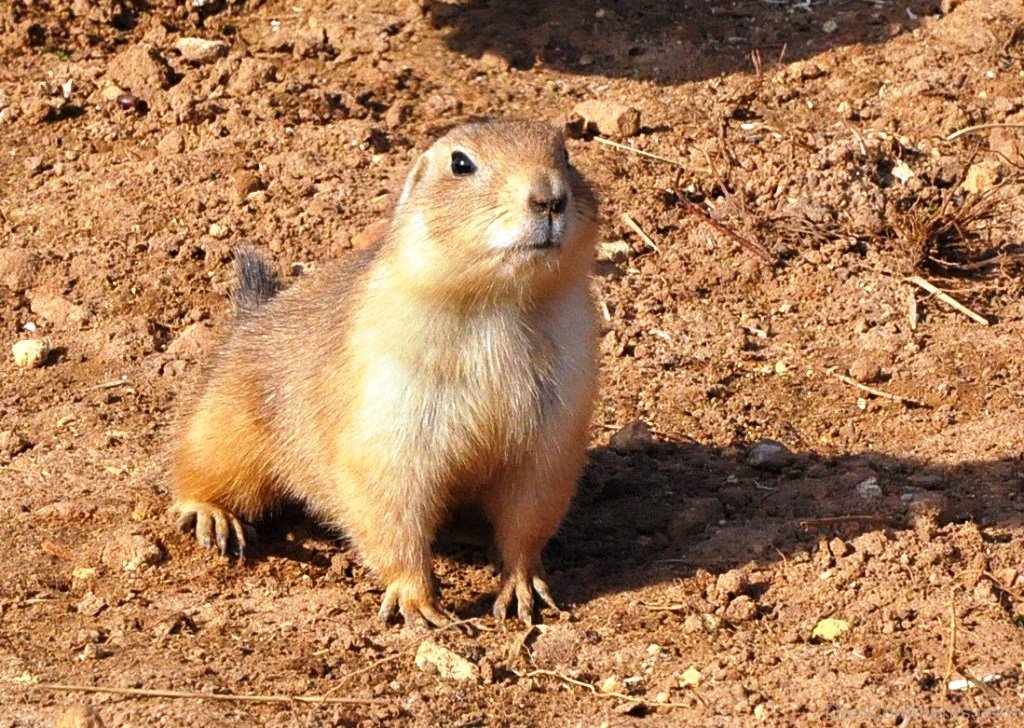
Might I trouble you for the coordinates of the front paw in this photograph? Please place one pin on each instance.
(522, 584)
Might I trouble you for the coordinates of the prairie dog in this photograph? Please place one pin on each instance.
(452, 366)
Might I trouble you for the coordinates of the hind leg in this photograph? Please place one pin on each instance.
(220, 476)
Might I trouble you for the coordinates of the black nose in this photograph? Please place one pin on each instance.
(548, 204)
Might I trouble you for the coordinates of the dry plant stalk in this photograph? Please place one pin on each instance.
(954, 240)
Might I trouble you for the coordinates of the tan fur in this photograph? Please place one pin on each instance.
(453, 366)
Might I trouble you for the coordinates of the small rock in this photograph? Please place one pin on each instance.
(447, 664)
(140, 69)
(17, 268)
(830, 630)
(132, 551)
(838, 547)
(634, 437)
(110, 92)
(557, 646)
(865, 370)
(609, 118)
(91, 604)
(868, 488)
(246, 182)
(980, 178)
(79, 716)
(397, 115)
(371, 236)
(769, 455)
(173, 142)
(741, 609)
(218, 231)
(83, 574)
(691, 677)
(29, 353)
(614, 251)
(927, 509)
(11, 444)
(200, 50)
(611, 685)
(731, 583)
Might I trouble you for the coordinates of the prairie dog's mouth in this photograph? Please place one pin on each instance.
(542, 245)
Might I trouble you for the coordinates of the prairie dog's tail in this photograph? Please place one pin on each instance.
(255, 283)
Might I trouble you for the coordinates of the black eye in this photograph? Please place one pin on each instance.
(462, 165)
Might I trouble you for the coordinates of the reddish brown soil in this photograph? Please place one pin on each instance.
(116, 231)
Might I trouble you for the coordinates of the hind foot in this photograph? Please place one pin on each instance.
(214, 525)
(522, 584)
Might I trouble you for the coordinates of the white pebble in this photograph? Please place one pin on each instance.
(29, 353)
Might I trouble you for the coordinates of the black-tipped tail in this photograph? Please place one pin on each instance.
(256, 282)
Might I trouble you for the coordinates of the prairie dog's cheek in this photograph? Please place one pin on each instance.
(504, 234)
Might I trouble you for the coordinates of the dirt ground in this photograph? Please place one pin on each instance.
(699, 564)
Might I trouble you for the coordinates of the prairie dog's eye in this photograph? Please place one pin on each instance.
(462, 165)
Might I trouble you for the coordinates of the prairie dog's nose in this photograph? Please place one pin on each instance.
(548, 196)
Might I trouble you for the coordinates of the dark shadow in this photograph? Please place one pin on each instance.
(665, 41)
(664, 513)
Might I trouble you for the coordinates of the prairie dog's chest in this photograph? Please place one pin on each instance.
(479, 390)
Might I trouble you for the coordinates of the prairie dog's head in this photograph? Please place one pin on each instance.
(496, 207)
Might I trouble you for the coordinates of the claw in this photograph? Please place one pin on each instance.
(523, 586)
(214, 526)
(419, 611)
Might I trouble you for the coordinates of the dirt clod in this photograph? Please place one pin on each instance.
(446, 663)
(201, 50)
(609, 118)
(769, 455)
(634, 437)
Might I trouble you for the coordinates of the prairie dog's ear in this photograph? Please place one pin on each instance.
(414, 177)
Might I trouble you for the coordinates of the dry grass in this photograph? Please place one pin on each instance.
(961, 239)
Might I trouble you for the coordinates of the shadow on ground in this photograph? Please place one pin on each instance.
(664, 41)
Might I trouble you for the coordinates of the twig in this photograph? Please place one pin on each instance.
(951, 655)
(839, 520)
(641, 152)
(108, 385)
(875, 392)
(946, 298)
(981, 127)
(663, 607)
(632, 225)
(975, 681)
(992, 577)
(748, 244)
(227, 697)
(594, 690)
